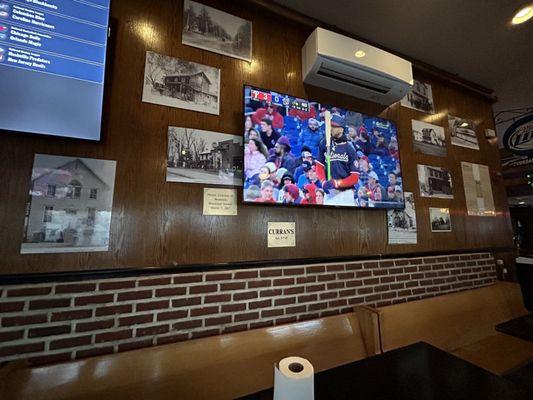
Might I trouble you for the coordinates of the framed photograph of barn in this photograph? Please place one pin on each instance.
(428, 139)
(69, 206)
(435, 182)
(178, 83)
(210, 29)
(196, 156)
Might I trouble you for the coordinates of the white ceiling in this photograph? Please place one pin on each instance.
(471, 38)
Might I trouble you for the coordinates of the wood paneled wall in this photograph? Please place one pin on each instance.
(157, 223)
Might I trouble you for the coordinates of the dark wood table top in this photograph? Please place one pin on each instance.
(521, 327)
(416, 372)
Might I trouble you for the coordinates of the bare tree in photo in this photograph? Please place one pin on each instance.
(243, 36)
(155, 68)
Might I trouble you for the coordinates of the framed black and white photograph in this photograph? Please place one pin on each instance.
(402, 223)
(439, 219)
(428, 139)
(69, 206)
(178, 83)
(463, 132)
(434, 182)
(196, 156)
(210, 29)
(420, 98)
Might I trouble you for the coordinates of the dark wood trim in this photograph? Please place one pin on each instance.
(448, 77)
(70, 276)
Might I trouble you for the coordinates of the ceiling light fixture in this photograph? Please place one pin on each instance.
(521, 203)
(523, 15)
(464, 124)
(360, 53)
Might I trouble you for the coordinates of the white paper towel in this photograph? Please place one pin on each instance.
(294, 379)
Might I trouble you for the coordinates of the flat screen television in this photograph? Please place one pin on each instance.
(287, 160)
(52, 66)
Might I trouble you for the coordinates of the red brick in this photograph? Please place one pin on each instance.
(11, 335)
(136, 319)
(396, 286)
(316, 269)
(122, 309)
(49, 359)
(307, 298)
(271, 313)
(21, 349)
(346, 275)
(354, 283)
(293, 271)
(246, 316)
(315, 288)
(218, 320)
(318, 306)
(70, 342)
(217, 298)
(338, 303)
(379, 272)
(71, 315)
(48, 331)
(24, 320)
(233, 307)
(245, 275)
(389, 295)
(294, 290)
(270, 292)
(245, 296)
(386, 264)
(155, 281)
(374, 297)
(232, 286)
(329, 313)
(386, 279)
(283, 281)
(404, 293)
(116, 285)
(172, 339)
(382, 288)
(44, 304)
(363, 274)
(204, 311)
(295, 309)
(137, 295)
(164, 316)
(188, 278)
(235, 328)
(203, 289)
(12, 306)
(327, 277)
(335, 285)
(217, 277)
(204, 333)
(190, 324)
(365, 290)
(326, 296)
(96, 351)
(305, 279)
(401, 262)
(97, 299)
(152, 305)
(189, 301)
(347, 292)
(135, 345)
(75, 288)
(259, 304)
(261, 324)
(95, 325)
(259, 284)
(166, 292)
(335, 268)
(285, 320)
(111, 336)
(270, 272)
(356, 300)
(373, 281)
(152, 330)
(355, 266)
(411, 269)
(29, 291)
(285, 301)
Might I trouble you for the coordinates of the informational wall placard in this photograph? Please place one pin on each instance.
(281, 234)
(478, 190)
(52, 66)
(220, 201)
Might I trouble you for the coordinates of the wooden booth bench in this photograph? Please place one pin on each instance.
(463, 324)
(220, 367)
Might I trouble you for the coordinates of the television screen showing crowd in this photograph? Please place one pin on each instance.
(287, 159)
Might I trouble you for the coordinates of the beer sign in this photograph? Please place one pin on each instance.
(518, 138)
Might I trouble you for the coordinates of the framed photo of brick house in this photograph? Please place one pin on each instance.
(69, 206)
(179, 83)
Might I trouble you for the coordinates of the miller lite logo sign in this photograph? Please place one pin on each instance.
(518, 138)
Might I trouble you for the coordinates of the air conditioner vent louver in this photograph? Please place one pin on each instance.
(329, 61)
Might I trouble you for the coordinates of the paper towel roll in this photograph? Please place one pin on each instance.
(294, 379)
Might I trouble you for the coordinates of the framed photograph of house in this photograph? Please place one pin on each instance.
(428, 139)
(196, 156)
(178, 83)
(434, 182)
(210, 29)
(439, 219)
(463, 132)
(402, 223)
(69, 206)
(420, 98)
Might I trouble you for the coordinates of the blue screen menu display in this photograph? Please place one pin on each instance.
(52, 66)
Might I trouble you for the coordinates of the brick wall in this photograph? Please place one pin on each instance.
(54, 322)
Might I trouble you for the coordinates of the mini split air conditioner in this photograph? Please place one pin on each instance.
(345, 65)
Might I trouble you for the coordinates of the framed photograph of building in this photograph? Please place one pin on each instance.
(463, 132)
(69, 206)
(428, 139)
(402, 223)
(196, 156)
(434, 182)
(178, 83)
(210, 29)
(478, 190)
(439, 219)
(420, 98)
